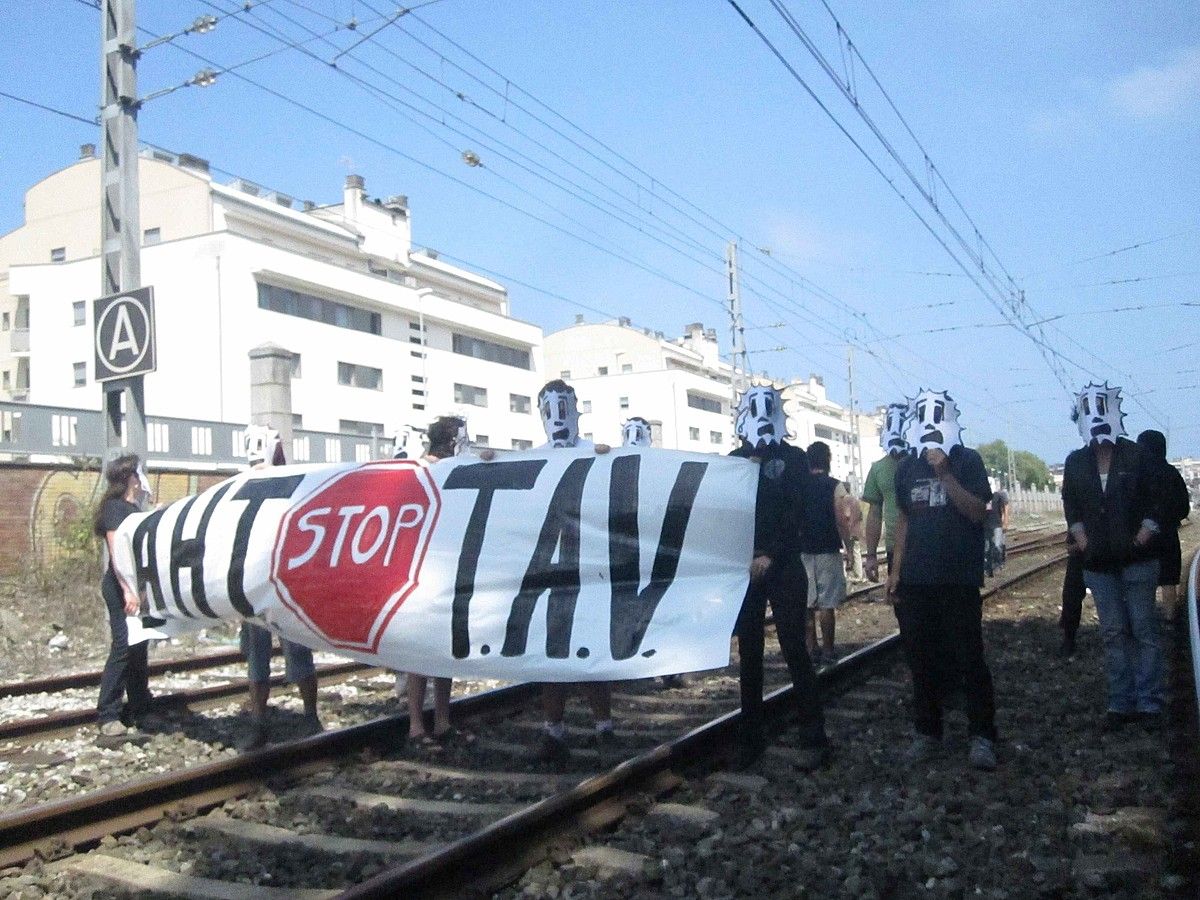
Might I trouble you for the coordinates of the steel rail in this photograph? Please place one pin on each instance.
(453, 868)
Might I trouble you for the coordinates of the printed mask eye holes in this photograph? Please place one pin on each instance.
(562, 408)
(768, 406)
(921, 411)
(1101, 405)
(939, 412)
(1087, 407)
(754, 407)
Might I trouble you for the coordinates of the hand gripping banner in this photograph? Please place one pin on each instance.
(558, 565)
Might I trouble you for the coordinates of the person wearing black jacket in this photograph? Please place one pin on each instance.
(776, 575)
(1176, 504)
(1111, 500)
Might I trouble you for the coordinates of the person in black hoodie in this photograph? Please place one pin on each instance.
(1111, 500)
(1175, 508)
(776, 575)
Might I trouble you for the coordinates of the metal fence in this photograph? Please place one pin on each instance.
(1042, 501)
(30, 433)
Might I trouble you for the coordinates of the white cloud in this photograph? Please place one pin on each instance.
(1152, 92)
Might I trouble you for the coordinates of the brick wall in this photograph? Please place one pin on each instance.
(42, 505)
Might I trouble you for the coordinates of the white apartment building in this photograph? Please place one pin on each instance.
(684, 389)
(385, 335)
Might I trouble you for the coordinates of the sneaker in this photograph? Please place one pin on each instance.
(922, 748)
(829, 658)
(310, 726)
(809, 759)
(552, 750)
(113, 728)
(982, 754)
(1067, 650)
(257, 736)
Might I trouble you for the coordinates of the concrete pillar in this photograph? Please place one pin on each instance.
(271, 391)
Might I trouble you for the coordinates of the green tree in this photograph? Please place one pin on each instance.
(1031, 470)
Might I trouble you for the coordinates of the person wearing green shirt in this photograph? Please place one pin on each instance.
(879, 492)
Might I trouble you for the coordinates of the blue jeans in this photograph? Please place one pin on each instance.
(1133, 658)
(256, 647)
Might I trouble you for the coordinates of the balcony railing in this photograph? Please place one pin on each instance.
(19, 340)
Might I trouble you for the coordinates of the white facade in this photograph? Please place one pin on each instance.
(233, 267)
(684, 389)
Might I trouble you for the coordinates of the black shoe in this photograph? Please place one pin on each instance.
(748, 754)
(1151, 721)
(1067, 650)
(258, 736)
(1114, 720)
(809, 759)
(552, 750)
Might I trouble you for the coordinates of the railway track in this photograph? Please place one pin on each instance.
(467, 817)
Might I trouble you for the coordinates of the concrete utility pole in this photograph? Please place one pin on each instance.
(271, 390)
(120, 227)
(739, 357)
(855, 456)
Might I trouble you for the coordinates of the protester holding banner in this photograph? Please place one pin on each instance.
(447, 437)
(559, 409)
(777, 576)
(125, 671)
(264, 448)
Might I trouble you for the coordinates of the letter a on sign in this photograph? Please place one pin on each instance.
(124, 336)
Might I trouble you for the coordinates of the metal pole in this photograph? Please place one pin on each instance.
(120, 227)
(737, 328)
(855, 459)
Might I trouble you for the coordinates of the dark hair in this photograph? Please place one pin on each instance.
(1154, 443)
(117, 475)
(819, 456)
(443, 432)
(557, 386)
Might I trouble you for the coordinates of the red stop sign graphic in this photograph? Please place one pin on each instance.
(348, 556)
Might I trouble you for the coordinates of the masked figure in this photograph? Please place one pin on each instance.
(462, 439)
(263, 446)
(560, 415)
(1098, 414)
(934, 422)
(760, 418)
(891, 436)
(636, 433)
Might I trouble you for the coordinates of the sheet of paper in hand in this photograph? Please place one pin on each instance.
(559, 565)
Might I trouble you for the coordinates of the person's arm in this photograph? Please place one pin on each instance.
(967, 503)
(844, 514)
(1073, 509)
(893, 579)
(132, 602)
(873, 532)
(1004, 516)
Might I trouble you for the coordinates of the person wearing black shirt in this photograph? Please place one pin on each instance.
(942, 498)
(1176, 505)
(777, 576)
(125, 671)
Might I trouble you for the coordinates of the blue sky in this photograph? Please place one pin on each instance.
(1067, 130)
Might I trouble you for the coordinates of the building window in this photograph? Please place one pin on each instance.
(301, 449)
(603, 370)
(470, 395)
(363, 429)
(626, 367)
(519, 403)
(58, 254)
(64, 430)
(587, 435)
(8, 426)
(414, 326)
(623, 402)
(333, 450)
(585, 406)
(296, 370)
(317, 309)
(7, 382)
(297, 420)
(694, 434)
(715, 437)
(565, 373)
(417, 392)
(201, 440)
(418, 406)
(490, 351)
(482, 440)
(78, 311)
(823, 432)
(419, 379)
(79, 372)
(417, 353)
(151, 236)
(699, 401)
(415, 340)
(351, 375)
(5, 322)
(518, 444)
(158, 437)
(362, 453)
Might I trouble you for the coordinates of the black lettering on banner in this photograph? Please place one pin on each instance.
(257, 492)
(487, 478)
(559, 530)
(631, 609)
(176, 541)
(189, 554)
(145, 558)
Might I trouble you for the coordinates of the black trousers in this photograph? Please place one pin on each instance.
(125, 671)
(941, 627)
(786, 589)
(1073, 591)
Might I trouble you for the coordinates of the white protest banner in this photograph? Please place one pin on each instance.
(560, 565)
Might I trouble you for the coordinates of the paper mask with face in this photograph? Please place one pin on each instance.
(560, 413)
(636, 433)
(934, 422)
(1098, 414)
(891, 436)
(263, 445)
(760, 418)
